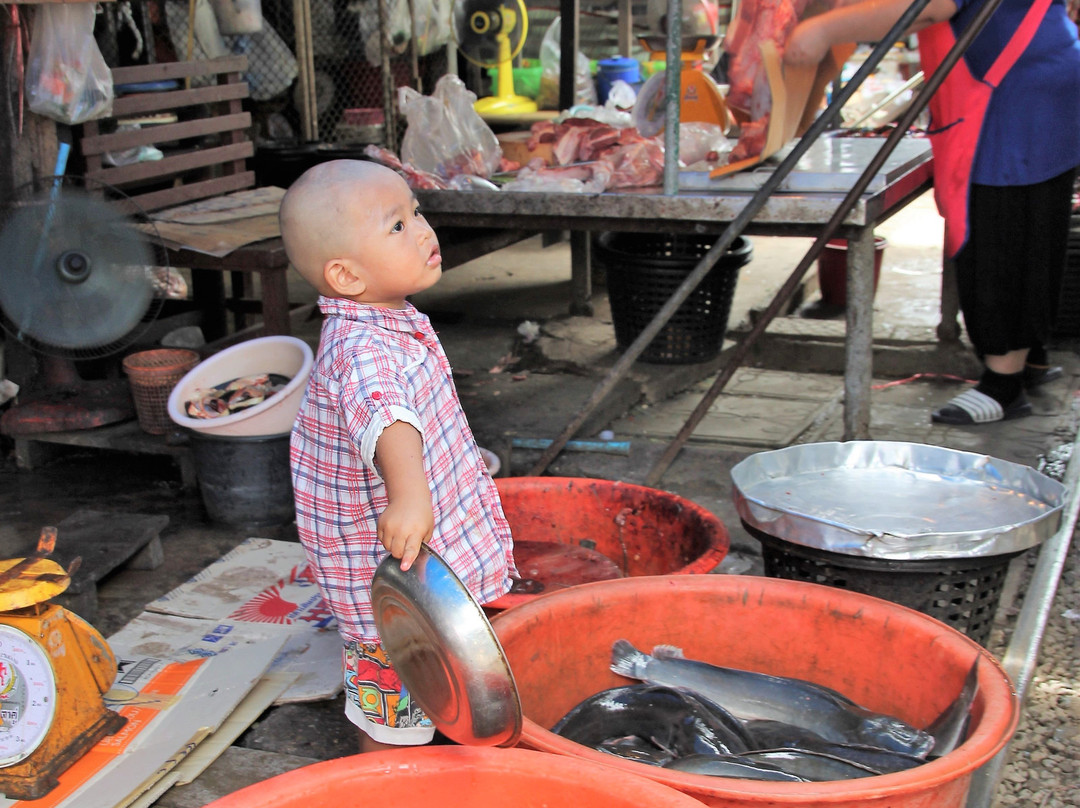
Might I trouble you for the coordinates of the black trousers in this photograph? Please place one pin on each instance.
(1009, 271)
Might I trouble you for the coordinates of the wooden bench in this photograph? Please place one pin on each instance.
(206, 144)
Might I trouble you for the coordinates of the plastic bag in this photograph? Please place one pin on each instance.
(550, 60)
(430, 22)
(445, 135)
(66, 75)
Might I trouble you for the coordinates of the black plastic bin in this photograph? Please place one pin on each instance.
(643, 271)
(244, 481)
(962, 592)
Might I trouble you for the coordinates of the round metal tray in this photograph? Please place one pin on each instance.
(445, 651)
(894, 500)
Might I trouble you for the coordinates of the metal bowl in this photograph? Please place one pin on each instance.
(894, 500)
(445, 652)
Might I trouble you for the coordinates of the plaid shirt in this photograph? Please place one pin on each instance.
(374, 367)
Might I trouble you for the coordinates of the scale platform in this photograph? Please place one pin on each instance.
(830, 165)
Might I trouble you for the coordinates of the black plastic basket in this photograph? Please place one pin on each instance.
(1067, 321)
(644, 270)
(960, 592)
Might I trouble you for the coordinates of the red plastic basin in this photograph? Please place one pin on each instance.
(456, 777)
(882, 655)
(645, 531)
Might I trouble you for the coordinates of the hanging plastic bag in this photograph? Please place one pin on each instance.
(431, 24)
(66, 76)
(445, 135)
(550, 62)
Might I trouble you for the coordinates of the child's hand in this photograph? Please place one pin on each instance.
(404, 526)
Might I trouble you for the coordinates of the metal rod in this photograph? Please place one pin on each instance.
(733, 230)
(740, 351)
(1022, 655)
(910, 84)
(605, 446)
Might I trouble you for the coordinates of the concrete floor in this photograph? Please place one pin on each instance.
(477, 309)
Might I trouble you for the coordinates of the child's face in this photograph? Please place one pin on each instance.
(396, 247)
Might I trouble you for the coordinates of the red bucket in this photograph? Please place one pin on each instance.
(832, 270)
(456, 777)
(887, 657)
(643, 531)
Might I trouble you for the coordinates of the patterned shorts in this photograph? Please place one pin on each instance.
(377, 701)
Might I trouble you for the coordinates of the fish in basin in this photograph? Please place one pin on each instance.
(750, 695)
(671, 720)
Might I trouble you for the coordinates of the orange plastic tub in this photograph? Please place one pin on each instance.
(643, 531)
(882, 655)
(456, 777)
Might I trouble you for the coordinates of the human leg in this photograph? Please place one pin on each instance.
(1008, 274)
(379, 704)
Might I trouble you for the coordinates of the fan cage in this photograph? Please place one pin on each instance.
(47, 189)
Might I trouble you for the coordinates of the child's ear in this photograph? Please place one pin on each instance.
(343, 278)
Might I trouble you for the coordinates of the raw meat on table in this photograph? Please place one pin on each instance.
(759, 21)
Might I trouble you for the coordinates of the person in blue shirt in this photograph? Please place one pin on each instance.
(1005, 131)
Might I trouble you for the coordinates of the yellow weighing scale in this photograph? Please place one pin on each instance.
(700, 98)
(54, 669)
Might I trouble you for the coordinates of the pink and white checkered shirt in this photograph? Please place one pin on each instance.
(374, 367)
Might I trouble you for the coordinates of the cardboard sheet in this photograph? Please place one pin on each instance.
(269, 582)
(171, 703)
(796, 94)
(229, 208)
(218, 239)
(190, 764)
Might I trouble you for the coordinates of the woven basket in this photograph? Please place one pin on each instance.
(152, 375)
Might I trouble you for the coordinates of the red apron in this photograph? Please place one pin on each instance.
(957, 111)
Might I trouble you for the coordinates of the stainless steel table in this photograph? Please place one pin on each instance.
(801, 213)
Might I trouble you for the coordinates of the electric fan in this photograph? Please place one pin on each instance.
(491, 33)
(79, 264)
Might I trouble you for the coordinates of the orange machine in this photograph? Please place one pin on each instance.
(700, 98)
(54, 670)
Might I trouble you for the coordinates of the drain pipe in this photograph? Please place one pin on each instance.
(733, 231)
(1022, 655)
(740, 351)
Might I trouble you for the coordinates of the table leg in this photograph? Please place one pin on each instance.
(275, 301)
(580, 273)
(948, 329)
(859, 348)
(208, 292)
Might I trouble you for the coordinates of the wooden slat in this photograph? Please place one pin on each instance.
(164, 133)
(181, 194)
(169, 166)
(166, 71)
(175, 99)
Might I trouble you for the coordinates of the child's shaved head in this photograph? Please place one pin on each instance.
(322, 210)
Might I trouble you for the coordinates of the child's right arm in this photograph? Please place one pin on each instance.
(409, 519)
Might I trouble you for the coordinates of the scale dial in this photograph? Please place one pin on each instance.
(27, 695)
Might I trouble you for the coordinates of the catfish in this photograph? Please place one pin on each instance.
(751, 695)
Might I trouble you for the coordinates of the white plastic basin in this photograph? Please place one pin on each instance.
(287, 356)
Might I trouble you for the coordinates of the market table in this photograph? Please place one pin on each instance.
(805, 202)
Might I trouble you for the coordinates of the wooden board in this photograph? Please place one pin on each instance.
(796, 94)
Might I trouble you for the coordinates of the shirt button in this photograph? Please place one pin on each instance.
(419, 335)
(376, 396)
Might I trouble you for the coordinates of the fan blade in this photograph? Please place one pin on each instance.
(74, 272)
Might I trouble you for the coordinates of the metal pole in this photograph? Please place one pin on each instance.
(672, 99)
(785, 292)
(1022, 655)
(733, 230)
(859, 321)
